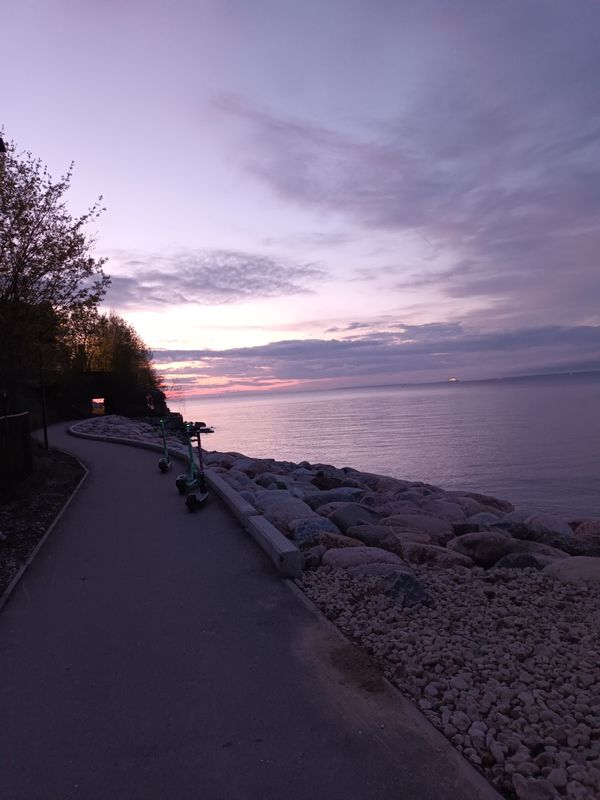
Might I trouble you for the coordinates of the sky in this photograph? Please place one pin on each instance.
(322, 194)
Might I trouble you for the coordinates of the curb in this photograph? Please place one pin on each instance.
(23, 568)
(284, 554)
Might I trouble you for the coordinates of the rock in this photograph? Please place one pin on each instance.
(343, 495)
(347, 557)
(589, 531)
(577, 568)
(572, 545)
(313, 556)
(266, 498)
(331, 540)
(369, 534)
(533, 788)
(351, 514)
(431, 554)
(483, 548)
(485, 519)
(287, 511)
(492, 503)
(557, 777)
(329, 508)
(517, 516)
(548, 523)
(439, 529)
(444, 509)
(398, 582)
(523, 561)
(306, 532)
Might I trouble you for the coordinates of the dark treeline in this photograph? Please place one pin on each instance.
(52, 334)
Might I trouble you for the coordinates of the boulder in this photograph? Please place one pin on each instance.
(344, 495)
(578, 568)
(440, 530)
(570, 544)
(266, 479)
(306, 532)
(548, 523)
(444, 509)
(287, 511)
(436, 556)
(351, 514)
(329, 508)
(523, 561)
(392, 507)
(369, 534)
(399, 583)
(265, 498)
(313, 556)
(483, 548)
(374, 534)
(332, 540)
(491, 502)
(589, 531)
(483, 519)
(517, 516)
(347, 557)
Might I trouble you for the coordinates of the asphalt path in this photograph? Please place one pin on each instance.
(149, 653)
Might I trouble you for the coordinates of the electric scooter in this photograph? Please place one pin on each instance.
(198, 494)
(164, 465)
(188, 480)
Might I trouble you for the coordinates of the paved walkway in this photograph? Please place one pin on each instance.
(149, 653)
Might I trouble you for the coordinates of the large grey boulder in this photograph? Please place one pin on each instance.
(351, 514)
(483, 548)
(399, 583)
(439, 529)
(589, 531)
(578, 568)
(347, 557)
(342, 495)
(444, 509)
(548, 523)
(265, 498)
(306, 532)
(283, 513)
(523, 561)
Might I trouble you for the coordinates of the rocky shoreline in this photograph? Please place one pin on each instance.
(486, 616)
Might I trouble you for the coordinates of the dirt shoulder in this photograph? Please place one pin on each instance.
(33, 505)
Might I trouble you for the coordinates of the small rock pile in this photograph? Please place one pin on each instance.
(487, 617)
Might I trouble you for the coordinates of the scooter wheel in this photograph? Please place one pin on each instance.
(191, 502)
(163, 466)
(180, 484)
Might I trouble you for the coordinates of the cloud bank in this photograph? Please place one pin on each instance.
(204, 277)
(431, 352)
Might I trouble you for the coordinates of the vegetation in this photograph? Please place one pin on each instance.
(51, 285)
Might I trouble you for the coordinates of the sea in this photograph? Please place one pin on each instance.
(533, 441)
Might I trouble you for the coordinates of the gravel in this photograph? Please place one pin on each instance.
(504, 663)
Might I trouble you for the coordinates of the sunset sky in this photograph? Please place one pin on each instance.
(329, 192)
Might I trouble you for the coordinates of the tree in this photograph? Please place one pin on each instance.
(47, 270)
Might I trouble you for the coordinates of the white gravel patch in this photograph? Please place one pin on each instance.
(504, 663)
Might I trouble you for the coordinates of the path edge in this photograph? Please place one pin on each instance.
(27, 563)
(284, 554)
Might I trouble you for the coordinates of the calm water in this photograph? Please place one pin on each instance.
(535, 442)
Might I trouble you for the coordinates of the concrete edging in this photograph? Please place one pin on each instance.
(283, 553)
(23, 568)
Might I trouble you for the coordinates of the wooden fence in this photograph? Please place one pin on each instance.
(15, 450)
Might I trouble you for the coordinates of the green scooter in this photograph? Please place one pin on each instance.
(164, 465)
(193, 483)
